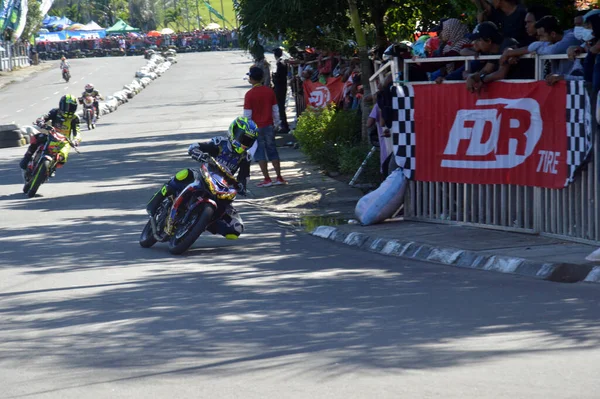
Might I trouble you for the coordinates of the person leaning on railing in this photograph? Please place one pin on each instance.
(589, 33)
(552, 41)
(487, 38)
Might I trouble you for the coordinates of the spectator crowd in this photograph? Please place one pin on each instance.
(504, 28)
(136, 43)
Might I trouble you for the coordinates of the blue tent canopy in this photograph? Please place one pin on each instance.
(50, 22)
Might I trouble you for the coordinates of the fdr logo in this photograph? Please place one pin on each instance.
(319, 97)
(499, 134)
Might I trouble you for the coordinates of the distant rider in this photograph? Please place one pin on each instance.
(232, 152)
(64, 64)
(92, 92)
(65, 121)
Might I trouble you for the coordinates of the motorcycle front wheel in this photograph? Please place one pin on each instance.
(147, 238)
(189, 230)
(39, 176)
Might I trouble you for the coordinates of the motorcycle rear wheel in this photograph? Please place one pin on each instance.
(40, 175)
(191, 230)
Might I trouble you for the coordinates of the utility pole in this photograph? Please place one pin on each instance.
(222, 14)
(209, 13)
(198, 14)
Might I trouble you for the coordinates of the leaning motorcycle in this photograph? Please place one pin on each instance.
(44, 161)
(181, 219)
(89, 111)
(66, 74)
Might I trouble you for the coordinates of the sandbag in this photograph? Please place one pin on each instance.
(594, 256)
(382, 203)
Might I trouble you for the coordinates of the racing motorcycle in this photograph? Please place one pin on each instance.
(181, 219)
(89, 111)
(66, 74)
(44, 161)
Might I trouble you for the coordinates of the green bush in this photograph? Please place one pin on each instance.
(311, 127)
(332, 139)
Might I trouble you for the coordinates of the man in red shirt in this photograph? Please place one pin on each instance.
(260, 104)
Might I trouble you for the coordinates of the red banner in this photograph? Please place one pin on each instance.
(510, 133)
(318, 95)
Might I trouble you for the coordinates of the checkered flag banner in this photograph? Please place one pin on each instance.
(455, 99)
(579, 127)
(403, 128)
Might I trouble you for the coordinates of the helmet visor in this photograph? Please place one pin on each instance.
(242, 138)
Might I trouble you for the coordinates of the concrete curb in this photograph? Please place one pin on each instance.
(557, 272)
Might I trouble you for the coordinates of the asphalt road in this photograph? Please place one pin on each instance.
(26, 101)
(86, 313)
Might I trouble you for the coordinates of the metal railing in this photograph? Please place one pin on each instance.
(12, 55)
(571, 213)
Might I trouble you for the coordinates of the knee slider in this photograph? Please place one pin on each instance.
(182, 175)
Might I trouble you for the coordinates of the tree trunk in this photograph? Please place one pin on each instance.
(377, 19)
(365, 64)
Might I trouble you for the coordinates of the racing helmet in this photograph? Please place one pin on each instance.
(68, 105)
(243, 133)
(63, 58)
(89, 88)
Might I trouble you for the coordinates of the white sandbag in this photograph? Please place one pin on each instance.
(594, 256)
(136, 86)
(381, 204)
(104, 109)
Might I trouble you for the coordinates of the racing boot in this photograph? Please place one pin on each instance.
(158, 198)
(25, 160)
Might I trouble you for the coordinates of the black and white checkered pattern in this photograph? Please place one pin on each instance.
(579, 127)
(403, 128)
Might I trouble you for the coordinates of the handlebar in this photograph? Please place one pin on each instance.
(52, 131)
(203, 157)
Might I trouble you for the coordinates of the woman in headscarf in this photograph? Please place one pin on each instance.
(453, 36)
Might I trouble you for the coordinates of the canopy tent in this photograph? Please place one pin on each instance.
(92, 26)
(56, 21)
(70, 35)
(121, 27)
(74, 27)
(212, 26)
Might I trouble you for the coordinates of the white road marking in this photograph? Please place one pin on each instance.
(56, 92)
(66, 88)
(33, 104)
(19, 110)
(90, 73)
(45, 98)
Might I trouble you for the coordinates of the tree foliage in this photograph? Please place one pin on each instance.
(105, 12)
(34, 19)
(300, 21)
(310, 22)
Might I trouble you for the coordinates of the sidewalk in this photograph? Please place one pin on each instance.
(21, 74)
(323, 206)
